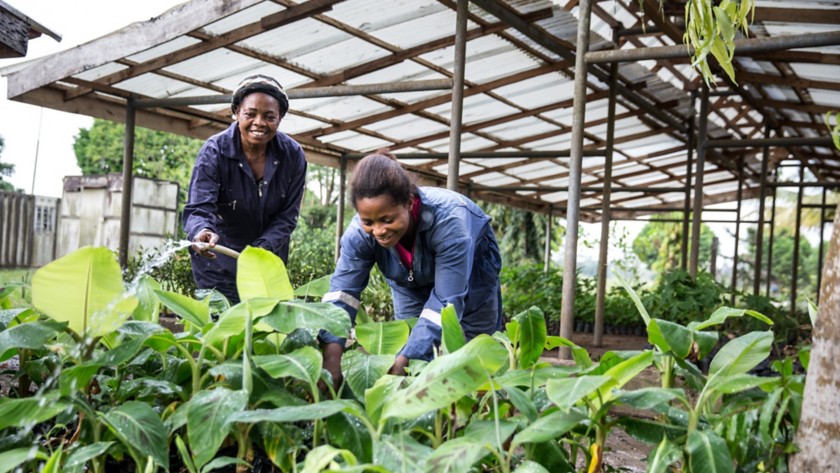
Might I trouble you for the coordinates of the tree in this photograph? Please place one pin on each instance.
(521, 234)
(658, 245)
(817, 437)
(157, 155)
(6, 169)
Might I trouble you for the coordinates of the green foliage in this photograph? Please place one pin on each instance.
(248, 382)
(833, 129)
(6, 170)
(157, 154)
(172, 270)
(680, 298)
(658, 244)
(529, 285)
(710, 29)
(521, 234)
(784, 245)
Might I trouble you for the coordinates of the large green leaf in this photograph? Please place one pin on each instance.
(189, 309)
(678, 337)
(346, 432)
(460, 454)
(207, 418)
(9, 460)
(521, 402)
(291, 315)
(707, 452)
(315, 288)
(361, 371)
(75, 287)
(382, 338)
(742, 354)
(376, 397)
(663, 456)
(741, 382)
(580, 354)
(297, 413)
(549, 427)
(530, 467)
(536, 377)
(232, 321)
(140, 430)
(706, 342)
(320, 458)
(31, 335)
(400, 453)
(448, 378)
(452, 334)
(82, 455)
(650, 398)
(532, 336)
(303, 364)
(20, 412)
(148, 308)
(721, 314)
(635, 297)
(261, 273)
(9, 316)
(622, 373)
(567, 392)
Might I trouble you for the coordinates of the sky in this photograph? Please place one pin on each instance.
(30, 131)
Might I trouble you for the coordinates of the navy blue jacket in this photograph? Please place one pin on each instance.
(225, 198)
(456, 261)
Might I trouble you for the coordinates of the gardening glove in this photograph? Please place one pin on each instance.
(204, 241)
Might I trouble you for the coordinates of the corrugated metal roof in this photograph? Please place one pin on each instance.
(518, 97)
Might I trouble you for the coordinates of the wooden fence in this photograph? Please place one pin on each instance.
(27, 230)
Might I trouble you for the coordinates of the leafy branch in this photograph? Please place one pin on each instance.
(711, 29)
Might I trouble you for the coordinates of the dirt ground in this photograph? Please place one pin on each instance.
(623, 452)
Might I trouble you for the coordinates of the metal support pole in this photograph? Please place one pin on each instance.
(128, 181)
(820, 250)
(453, 173)
(567, 305)
(772, 232)
(759, 233)
(342, 191)
(796, 241)
(698, 181)
(603, 248)
(737, 229)
(548, 222)
(688, 169)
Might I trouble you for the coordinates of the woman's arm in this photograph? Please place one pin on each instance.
(200, 211)
(276, 234)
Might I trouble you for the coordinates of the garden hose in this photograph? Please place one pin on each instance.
(218, 249)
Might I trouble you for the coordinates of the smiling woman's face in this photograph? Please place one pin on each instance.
(381, 218)
(258, 117)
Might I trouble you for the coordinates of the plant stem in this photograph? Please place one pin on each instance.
(438, 430)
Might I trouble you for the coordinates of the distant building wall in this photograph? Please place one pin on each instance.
(27, 230)
(92, 206)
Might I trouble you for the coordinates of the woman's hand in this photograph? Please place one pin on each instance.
(398, 368)
(332, 363)
(204, 241)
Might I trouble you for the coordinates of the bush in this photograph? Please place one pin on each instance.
(680, 298)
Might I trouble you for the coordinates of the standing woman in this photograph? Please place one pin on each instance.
(246, 186)
(434, 247)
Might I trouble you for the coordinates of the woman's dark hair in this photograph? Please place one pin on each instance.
(260, 83)
(380, 174)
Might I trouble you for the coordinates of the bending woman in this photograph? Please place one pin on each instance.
(246, 186)
(434, 247)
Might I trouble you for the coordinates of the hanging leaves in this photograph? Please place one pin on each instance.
(710, 29)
